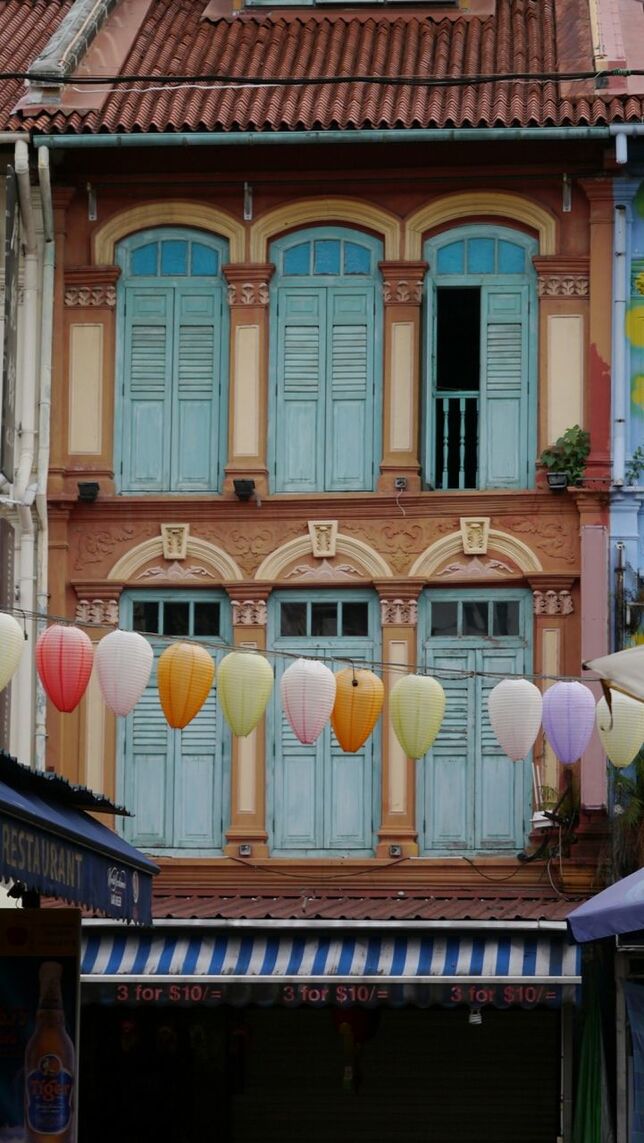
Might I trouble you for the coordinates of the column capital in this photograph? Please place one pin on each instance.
(402, 282)
(600, 195)
(249, 603)
(398, 602)
(248, 282)
(91, 286)
(562, 277)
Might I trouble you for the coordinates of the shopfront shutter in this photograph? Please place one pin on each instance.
(504, 387)
(147, 380)
(350, 402)
(195, 428)
(449, 767)
(300, 348)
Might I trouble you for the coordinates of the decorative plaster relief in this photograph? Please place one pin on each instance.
(248, 294)
(402, 290)
(249, 612)
(176, 572)
(103, 611)
(90, 295)
(553, 603)
(475, 531)
(93, 547)
(323, 535)
(399, 612)
(563, 286)
(555, 539)
(324, 570)
(476, 569)
(175, 541)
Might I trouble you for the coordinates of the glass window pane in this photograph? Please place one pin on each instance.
(451, 259)
(511, 258)
(480, 256)
(355, 618)
(324, 619)
(204, 260)
(293, 619)
(506, 617)
(176, 619)
(297, 260)
(145, 616)
(327, 256)
(174, 257)
(357, 259)
(475, 620)
(444, 619)
(144, 260)
(206, 619)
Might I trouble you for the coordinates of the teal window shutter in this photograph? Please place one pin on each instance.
(349, 432)
(149, 772)
(147, 388)
(499, 808)
(301, 372)
(197, 326)
(504, 377)
(448, 803)
(198, 781)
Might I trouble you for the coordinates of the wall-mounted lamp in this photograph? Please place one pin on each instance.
(88, 490)
(244, 489)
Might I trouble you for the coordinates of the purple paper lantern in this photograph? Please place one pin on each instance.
(568, 720)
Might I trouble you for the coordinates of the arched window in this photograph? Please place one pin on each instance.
(480, 386)
(326, 323)
(321, 800)
(173, 337)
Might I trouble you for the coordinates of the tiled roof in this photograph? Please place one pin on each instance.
(175, 39)
(398, 907)
(25, 28)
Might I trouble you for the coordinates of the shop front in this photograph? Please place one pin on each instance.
(296, 1030)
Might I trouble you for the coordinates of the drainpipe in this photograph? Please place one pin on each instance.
(620, 275)
(621, 133)
(23, 492)
(46, 338)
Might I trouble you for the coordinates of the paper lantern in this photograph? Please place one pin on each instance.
(416, 708)
(308, 693)
(622, 734)
(358, 703)
(568, 719)
(184, 677)
(515, 706)
(64, 658)
(244, 686)
(12, 642)
(123, 663)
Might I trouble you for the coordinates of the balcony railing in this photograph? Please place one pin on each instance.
(457, 440)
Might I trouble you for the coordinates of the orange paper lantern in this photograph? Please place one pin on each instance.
(64, 659)
(358, 703)
(184, 677)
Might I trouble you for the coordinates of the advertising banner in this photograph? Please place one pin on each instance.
(39, 974)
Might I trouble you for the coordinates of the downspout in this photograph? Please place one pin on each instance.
(22, 492)
(621, 133)
(46, 339)
(620, 269)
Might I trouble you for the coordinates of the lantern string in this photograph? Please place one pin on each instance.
(322, 654)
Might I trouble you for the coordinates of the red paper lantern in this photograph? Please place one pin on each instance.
(64, 658)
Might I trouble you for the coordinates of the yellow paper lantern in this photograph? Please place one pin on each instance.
(184, 677)
(416, 707)
(623, 733)
(12, 644)
(245, 682)
(358, 703)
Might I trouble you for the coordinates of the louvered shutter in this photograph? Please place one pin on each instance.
(150, 747)
(146, 389)
(297, 788)
(503, 449)
(350, 411)
(449, 768)
(195, 428)
(301, 369)
(198, 778)
(500, 783)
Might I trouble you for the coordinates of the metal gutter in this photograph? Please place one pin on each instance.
(320, 923)
(300, 138)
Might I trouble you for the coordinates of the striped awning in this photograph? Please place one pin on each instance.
(234, 956)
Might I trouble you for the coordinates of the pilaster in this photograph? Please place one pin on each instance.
(599, 193)
(403, 294)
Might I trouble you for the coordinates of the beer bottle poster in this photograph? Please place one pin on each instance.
(39, 988)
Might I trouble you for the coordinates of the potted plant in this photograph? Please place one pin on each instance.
(565, 460)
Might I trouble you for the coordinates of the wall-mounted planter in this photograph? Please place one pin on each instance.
(557, 481)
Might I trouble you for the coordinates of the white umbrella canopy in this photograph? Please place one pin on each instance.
(623, 671)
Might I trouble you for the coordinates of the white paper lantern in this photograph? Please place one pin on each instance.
(514, 707)
(123, 662)
(623, 733)
(308, 694)
(12, 642)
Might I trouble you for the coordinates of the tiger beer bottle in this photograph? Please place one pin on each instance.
(49, 1066)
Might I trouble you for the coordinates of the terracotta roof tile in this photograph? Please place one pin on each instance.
(25, 28)
(175, 39)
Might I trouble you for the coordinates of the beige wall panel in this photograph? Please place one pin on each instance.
(565, 364)
(551, 665)
(85, 388)
(246, 787)
(246, 402)
(95, 716)
(397, 785)
(402, 385)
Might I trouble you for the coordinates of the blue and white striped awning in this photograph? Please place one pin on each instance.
(234, 956)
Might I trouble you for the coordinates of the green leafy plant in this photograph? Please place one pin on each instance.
(635, 466)
(628, 819)
(568, 454)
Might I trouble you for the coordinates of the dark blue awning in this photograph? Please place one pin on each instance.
(58, 850)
